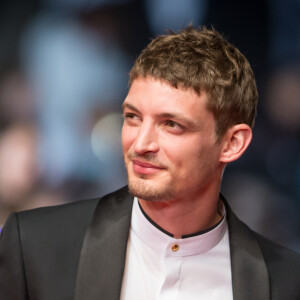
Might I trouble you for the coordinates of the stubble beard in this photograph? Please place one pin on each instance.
(144, 188)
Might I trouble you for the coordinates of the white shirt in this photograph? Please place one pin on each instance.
(161, 267)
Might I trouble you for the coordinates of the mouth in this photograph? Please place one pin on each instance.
(142, 167)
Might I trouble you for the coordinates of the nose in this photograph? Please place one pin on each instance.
(146, 140)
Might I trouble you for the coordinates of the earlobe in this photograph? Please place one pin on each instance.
(235, 142)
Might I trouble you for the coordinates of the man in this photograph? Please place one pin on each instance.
(189, 112)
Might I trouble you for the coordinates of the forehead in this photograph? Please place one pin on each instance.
(154, 95)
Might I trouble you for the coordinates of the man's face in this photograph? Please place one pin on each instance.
(169, 142)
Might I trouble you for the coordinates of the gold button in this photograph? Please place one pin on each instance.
(175, 247)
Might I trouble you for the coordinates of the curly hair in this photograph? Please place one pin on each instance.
(203, 60)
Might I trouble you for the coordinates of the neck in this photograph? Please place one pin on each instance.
(184, 216)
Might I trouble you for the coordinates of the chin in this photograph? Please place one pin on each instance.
(151, 191)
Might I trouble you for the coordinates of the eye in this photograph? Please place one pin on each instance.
(171, 124)
(174, 126)
(131, 118)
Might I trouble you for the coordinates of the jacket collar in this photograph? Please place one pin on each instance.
(250, 279)
(103, 253)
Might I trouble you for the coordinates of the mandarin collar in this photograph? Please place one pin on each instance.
(162, 243)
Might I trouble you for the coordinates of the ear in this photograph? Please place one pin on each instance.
(235, 142)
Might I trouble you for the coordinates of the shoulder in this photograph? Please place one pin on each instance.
(74, 210)
(282, 264)
(56, 219)
(43, 229)
(283, 267)
(278, 258)
(273, 253)
(65, 212)
(60, 220)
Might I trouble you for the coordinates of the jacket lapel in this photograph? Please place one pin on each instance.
(103, 253)
(102, 260)
(250, 278)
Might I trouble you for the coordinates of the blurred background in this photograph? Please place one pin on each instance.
(63, 75)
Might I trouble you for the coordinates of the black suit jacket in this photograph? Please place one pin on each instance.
(77, 251)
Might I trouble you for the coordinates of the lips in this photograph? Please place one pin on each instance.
(142, 167)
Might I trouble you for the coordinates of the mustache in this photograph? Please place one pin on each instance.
(149, 158)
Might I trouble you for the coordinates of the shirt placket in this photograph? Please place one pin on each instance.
(170, 287)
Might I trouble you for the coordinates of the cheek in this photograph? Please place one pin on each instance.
(190, 155)
(180, 153)
(128, 137)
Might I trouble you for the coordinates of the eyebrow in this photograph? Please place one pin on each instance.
(176, 116)
(130, 106)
